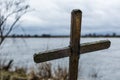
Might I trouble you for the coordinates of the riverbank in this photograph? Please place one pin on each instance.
(44, 72)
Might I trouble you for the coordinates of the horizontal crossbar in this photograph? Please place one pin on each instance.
(65, 52)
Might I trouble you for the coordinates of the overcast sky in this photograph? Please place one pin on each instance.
(53, 16)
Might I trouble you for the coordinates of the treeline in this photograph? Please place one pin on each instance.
(35, 36)
(48, 35)
(28, 35)
(101, 35)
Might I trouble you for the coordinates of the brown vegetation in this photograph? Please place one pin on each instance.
(44, 72)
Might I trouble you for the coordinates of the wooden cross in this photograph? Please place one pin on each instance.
(75, 48)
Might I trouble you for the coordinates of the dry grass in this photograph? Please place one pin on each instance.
(44, 72)
(61, 73)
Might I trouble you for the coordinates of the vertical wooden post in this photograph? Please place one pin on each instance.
(76, 17)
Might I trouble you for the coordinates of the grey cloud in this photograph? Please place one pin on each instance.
(98, 15)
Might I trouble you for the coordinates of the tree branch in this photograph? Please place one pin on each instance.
(9, 8)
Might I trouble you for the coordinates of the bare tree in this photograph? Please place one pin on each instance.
(11, 12)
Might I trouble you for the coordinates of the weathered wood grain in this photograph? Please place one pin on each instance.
(76, 18)
(94, 46)
(51, 55)
(65, 52)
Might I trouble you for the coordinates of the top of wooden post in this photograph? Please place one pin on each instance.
(76, 11)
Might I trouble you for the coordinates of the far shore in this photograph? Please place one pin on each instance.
(61, 36)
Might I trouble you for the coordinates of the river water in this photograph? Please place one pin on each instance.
(99, 65)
